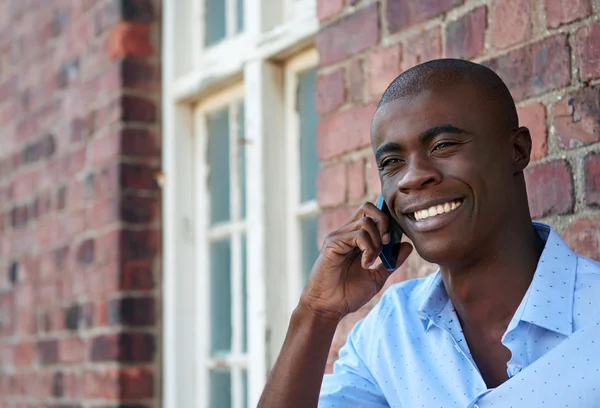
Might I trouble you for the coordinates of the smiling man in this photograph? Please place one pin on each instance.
(511, 307)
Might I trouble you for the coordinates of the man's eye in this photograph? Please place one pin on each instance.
(388, 162)
(443, 145)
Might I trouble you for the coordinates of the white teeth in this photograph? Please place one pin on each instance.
(436, 210)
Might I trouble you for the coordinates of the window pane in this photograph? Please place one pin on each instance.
(220, 296)
(309, 162)
(310, 247)
(220, 389)
(242, 158)
(214, 21)
(239, 26)
(245, 402)
(244, 297)
(217, 125)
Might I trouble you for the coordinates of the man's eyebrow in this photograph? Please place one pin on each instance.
(434, 131)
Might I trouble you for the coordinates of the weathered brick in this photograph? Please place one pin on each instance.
(138, 176)
(331, 185)
(139, 244)
(511, 22)
(139, 75)
(123, 347)
(550, 189)
(331, 92)
(465, 37)
(138, 10)
(331, 220)
(130, 40)
(565, 11)
(356, 80)
(576, 118)
(349, 36)
(384, 67)
(48, 352)
(583, 236)
(40, 149)
(136, 383)
(328, 8)
(592, 179)
(137, 109)
(345, 131)
(587, 39)
(86, 251)
(139, 143)
(131, 311)
(356, 179)
(536, 68)
(533, 116)
(72, 350)
(422, 47)
(137, 275)
(402, 14)
(139, 209)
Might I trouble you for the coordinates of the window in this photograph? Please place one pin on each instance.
(239, 212)
(222, 19)
(221, 130)
(302, 119)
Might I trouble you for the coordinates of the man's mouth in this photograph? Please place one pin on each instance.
(436, 210)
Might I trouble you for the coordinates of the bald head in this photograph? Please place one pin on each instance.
(441, 73)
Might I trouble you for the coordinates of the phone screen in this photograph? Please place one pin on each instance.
(389, 252)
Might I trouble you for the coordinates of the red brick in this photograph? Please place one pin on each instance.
(550, 189)
(511, 22)
(140, 143)
(405, 13)
(465, 37)
(123, 347)
(328, 8)
(356, 179)
(588, 50)
(72, 350)
(592, 179)
(137, 109)
(138, 176)
(139, 75)
(101, 383)
(139, 245)
(345, 131)
(384, 67)
(349, 36)
(130, 40)
(27, 323)
(533, 116)
(331, 185)
(536, 68)
(86, 251)
(576, 118)
(331, 92)
(48, 352)
(564, 11)
(331, 220)
(104, 149)
(422, 47)
(136, 383)
(139, 209)
(131, 311)
(583, 236)
(137, 275)
(356, 80)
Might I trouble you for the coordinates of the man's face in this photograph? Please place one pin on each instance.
(446, 169)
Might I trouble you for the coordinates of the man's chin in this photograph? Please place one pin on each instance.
(440, 252)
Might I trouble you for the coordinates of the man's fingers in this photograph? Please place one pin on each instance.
(381, 220)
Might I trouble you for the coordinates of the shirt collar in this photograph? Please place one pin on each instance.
(548, 302)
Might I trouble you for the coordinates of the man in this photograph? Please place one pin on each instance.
(510, 301)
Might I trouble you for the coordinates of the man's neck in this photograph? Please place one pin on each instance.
(487, 291)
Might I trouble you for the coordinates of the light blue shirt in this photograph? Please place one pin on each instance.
(410, 350)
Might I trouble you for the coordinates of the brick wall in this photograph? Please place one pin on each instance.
(547, 51)
(79, 203)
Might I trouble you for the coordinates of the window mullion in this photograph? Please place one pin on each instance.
(230, 17)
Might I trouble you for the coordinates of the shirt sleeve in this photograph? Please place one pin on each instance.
(351, 383)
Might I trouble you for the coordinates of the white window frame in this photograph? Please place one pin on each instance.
(236, 360)
(296, 210)
(191, 76)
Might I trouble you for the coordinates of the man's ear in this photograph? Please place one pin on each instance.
(521, 148)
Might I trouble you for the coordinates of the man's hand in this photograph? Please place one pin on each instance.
(343, 278)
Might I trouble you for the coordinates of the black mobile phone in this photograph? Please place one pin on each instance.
(389, 252)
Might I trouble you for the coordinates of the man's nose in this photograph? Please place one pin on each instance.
(420, 174)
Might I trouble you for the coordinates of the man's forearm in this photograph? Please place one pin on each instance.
(296, 378)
